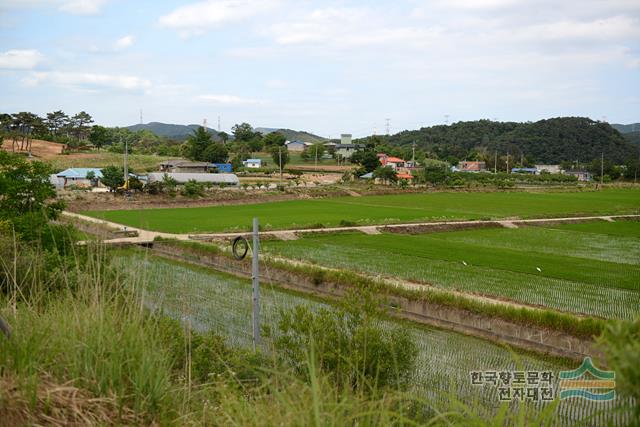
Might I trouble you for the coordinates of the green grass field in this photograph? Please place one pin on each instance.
(582, 268)
(379, 210)
(100, 159)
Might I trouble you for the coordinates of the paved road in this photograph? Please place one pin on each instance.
(147, 236)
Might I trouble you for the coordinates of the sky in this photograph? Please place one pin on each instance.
(327, 67)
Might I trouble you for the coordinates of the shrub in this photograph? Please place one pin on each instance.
(192, 188)
(351, 344)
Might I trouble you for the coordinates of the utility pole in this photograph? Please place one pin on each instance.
(413, 154)
(255, 284)
(446, 119)
(141, 116)
(387, 120)
(126, 165)
(507, 162)
(218, 123)
(280, 157)
(316, 150)
(602, 169)
(495, 163)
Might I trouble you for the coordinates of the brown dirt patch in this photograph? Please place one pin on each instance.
(39, 148)
(55, 404)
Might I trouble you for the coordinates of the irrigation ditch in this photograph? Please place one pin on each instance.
(402, 304)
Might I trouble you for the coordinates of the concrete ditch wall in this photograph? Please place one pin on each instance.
(528, 337)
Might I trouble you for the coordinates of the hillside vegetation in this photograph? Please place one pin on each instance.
(545, 141)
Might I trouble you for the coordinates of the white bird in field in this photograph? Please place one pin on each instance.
(539, 269)
(464, 263)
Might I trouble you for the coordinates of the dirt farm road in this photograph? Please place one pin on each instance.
(147, 236)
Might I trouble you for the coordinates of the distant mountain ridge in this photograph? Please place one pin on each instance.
(632, 127)
(293, 135)
(181, 132)
(171, 131)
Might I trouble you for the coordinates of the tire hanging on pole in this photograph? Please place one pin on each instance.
(240, 247)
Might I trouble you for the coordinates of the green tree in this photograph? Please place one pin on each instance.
(386, 174)
(215, 153)
(274, 138)
(99, 136)
(197, 143)
(80, 124)
(279, 154)
(113, 177)
(28, 199)
(224, 137)
(56, 121)
(243, 132)
(368, 159)
(435, 173)
(316, 151)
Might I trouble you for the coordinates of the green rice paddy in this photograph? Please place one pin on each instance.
(589, 268)
(387, 209)
(221, 303)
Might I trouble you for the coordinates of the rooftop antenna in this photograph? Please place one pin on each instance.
(387, 120)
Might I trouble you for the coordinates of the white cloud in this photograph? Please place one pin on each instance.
(82, 7)
(17, 59)
(76, 7)
(612, 28)
(88, 81)
(195, 18)
(123, 42)
(350, 27)
(228, 100)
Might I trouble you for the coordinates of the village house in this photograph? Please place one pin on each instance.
(395, 163)
(186, 166)
(296, 146)
(548, 169)
(581, 175)
(466, 166)
(252, 163)
(81, 177)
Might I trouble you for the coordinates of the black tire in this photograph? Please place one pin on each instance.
(240, 247)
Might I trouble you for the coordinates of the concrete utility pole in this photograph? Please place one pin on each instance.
(413, 155)
(126, 165)
(602, 169)
(495, 164)
(387, 120)
(255, 282)
(280, 156)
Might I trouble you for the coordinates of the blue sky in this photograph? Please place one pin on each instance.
(327, 67)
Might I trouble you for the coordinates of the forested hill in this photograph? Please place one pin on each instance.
(545, 141)
(171, 131)
(293, 135)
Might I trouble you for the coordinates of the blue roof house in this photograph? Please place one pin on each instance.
(78, 176)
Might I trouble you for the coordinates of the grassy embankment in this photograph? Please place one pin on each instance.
(368, 210)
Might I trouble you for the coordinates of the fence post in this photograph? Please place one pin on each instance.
(256, 285)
